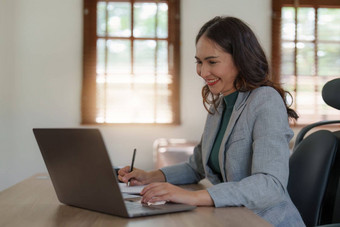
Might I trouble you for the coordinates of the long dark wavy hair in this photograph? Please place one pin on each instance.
(237, 39)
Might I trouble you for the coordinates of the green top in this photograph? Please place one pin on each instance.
(229, 103)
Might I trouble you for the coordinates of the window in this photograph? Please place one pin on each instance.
(306, 53)
(131, 62)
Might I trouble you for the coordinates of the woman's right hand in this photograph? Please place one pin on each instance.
(139, 177)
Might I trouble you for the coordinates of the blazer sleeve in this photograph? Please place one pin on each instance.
(186, 173)
(265, 186)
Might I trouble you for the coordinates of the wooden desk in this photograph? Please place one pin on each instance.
(33, 202)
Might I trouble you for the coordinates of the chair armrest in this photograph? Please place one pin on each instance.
(304, 130)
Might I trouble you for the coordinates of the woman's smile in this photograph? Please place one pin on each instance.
(212, 82)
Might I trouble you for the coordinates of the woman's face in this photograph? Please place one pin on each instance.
(215, 66)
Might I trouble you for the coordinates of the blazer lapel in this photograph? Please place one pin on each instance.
(210, 132)
(238, 108)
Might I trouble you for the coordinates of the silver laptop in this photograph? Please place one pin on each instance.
(83, 176)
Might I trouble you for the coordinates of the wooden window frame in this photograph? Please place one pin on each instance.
(88, 104)
(277, 6)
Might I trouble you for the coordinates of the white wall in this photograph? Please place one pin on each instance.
(41, 74)
(5, 89)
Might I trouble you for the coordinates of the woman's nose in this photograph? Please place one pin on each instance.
(204, 71)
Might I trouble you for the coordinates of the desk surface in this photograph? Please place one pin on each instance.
(33, 202)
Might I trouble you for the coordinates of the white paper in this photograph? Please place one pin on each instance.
(131, 189)
(156, 203)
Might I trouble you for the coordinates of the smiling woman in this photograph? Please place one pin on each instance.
(131, 62)
(244, 148)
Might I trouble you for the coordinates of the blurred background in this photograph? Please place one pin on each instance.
(41, 74)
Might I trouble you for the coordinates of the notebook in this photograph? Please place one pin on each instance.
(131, 189)
(82, 174)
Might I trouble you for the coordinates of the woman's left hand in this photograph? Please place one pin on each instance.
(156, 192)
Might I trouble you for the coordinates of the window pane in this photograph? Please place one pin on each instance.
(132, 79)
(306, 18)
(144, 102)
(138, 104)
(115, 102)
(329, 24)
(162, 24)
(119, 56)
(101, 56)
(144, 56)
(163, 114)
(100, 98)
(329, 59)
(101, 18)
(288, 23)
(314, 52)
(288, 82)
(119, 19)
(287, 58)
(306, 98)
(305, 59)
(162, 57)
(311, 106)
(144, 20)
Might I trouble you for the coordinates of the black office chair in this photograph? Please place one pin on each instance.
(313, 183)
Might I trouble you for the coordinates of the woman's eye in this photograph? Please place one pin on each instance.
(198, 62)
(212, 62)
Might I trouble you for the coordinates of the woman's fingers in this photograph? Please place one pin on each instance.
(123, 171)
(159, 192)
(136, 177)
(140, 177)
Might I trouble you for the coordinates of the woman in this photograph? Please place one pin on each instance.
(244, 149)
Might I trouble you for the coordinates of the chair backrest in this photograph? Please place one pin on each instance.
(314, 181)
(331, 205)
(310, 168)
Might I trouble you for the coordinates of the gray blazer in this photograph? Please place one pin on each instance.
(253, 158)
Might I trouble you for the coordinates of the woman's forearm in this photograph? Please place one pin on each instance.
(156, 176)
(202, 198)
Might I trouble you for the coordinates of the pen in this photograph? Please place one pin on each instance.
(132, 162)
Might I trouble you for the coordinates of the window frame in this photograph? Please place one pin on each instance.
(88, 103)
(277, 6)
